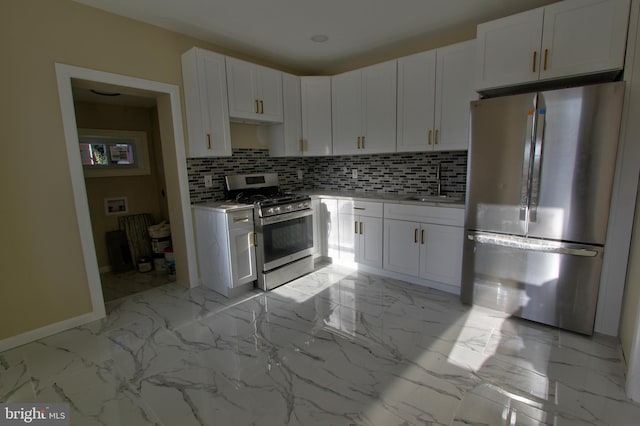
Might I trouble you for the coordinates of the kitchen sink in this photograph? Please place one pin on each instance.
(434, 199)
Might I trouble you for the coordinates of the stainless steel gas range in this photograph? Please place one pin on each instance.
(283, 226)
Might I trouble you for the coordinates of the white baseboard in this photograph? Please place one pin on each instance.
(48, 330)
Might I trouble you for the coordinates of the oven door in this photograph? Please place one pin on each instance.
(285, 238)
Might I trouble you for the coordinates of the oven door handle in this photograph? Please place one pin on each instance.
(285, 216)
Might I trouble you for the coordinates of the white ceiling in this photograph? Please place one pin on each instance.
(279, 31)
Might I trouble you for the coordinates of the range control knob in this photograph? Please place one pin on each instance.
(289, 207)
(277, 209)
(270, 210)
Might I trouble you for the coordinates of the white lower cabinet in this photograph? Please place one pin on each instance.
(328, 228)
(226, 249)
(414, 246)
(418, 241)
(360, 232)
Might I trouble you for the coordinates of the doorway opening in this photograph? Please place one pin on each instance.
(170, 200)
(120, 149)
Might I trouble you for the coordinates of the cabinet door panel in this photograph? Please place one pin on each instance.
(346, 114)
(505, 50)
(242, 255)
(574, 47)
(270, 94)
(348, 236)
(379, 114)
(441, 253)
(416, 94)
(205, 93)
(401, 249)
(242, 87)
(316, 115)
(329, 227)
(454, 92)
(369, 245)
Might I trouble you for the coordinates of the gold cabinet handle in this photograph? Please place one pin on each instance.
(240, 219)
(429, 138)
(358, 142)
(356, 227)
(261, 107)
(363, 142)
(208, 141)
(254, 239)
(359, 208)
(360, 228)
(415, 235)
(546, 53)
(257, 106)
(422, 237)
(436, 138)
(301, 145)
(305, 144)
(535, 57)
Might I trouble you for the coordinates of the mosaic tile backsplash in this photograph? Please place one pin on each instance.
(413, 173)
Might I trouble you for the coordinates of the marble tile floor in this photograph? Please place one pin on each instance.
(116, 286)
(337, 347)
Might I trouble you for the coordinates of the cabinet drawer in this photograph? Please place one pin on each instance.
(361, 208)
(428, 214)
(239, 218)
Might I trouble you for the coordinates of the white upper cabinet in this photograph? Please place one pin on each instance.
(507, 50)
(364, 110)
(454, 93)
(568, 38)
(416, 101)
(316, 116)
(285, 139)
(205, 95)
(434, 92)
(255, 92)
(581, 37)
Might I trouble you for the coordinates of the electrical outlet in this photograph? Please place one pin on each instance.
(354, 173)
(299, 174)
(208, 181)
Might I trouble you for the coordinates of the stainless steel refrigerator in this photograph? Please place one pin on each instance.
(539, 181)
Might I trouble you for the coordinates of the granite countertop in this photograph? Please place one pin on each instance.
(222, 206)
(380, 197)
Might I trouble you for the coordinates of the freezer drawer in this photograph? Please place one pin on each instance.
(548, 282)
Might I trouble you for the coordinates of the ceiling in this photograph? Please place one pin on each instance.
(280, 31)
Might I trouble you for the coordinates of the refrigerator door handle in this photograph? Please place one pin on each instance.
(532, 245)
(526, 167)
(537, 165)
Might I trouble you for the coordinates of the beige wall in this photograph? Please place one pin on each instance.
(43, 276)
(144, 193)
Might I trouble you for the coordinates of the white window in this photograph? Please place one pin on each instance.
(113, 152)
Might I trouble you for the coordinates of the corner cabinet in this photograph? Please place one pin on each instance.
(424, 242)
(225, 244)
(205, 95)
(316, 116)
(285, 139)
(568, 38)
(306, 130)
(255, 92)
(434, 92)
(364, 110)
